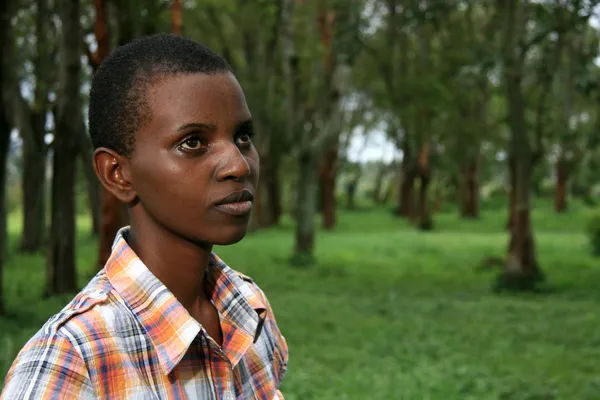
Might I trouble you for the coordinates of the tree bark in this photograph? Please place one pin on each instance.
(258, 207)
(407, 175)
(267, 198)
(327, 177)
(274, 192)
(306, 207)
(34, 185)
(406, 194)
(470, 189)
(176, 21)
(425, 220)
(93, 185)
(512, 191)
(270, 191)
(560, 198)
(61, 264)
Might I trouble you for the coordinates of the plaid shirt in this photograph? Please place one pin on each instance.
(125, 336)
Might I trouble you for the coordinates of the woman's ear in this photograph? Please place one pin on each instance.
(113, 171)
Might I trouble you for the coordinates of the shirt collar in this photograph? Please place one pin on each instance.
(167, 323)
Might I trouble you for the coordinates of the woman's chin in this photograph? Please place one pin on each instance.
(231, 237)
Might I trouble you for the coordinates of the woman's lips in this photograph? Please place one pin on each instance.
(239, 208)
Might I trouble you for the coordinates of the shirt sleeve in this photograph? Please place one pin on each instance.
(48, 367)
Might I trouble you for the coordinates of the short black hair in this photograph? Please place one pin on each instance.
(118, 105)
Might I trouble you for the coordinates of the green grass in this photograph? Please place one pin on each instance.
(392, 313)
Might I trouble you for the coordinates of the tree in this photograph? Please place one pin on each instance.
(390, 53)
(315, 109)
(259, 75)
(5, 128)
(406, 54)
(521, 269)
(61, 263)
(31, 122)
(521, 34)
(581, 50)
(327, 178)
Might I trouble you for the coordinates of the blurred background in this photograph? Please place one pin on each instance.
(427, 223)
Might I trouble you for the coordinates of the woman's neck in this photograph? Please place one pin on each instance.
(177, 262)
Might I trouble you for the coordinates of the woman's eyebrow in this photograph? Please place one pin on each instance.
(198, 125)
(247, 124)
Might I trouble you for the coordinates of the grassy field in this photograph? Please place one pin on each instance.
(392, 313)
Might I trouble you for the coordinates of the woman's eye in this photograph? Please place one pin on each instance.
(192, 144)
(244, 139)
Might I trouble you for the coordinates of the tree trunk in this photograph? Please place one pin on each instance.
(439, 200)
(260, 209)
(470, 189)
(407, 201)
(267, 198)
(270, 192)
(5, 129)
(274, 192)
(407, 175)
(34, 184)
(351, 187)
(306, 207)
(93, 185)
(327, 178)
(378, 187)
(61, 263)
(560, 200)
(34, 148)
(257, 207)
(425, 220)
(521, 271)
(113, 216)
(4, 144)
(176, 17)
(512, 200)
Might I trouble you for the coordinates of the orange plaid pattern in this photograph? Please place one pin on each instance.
(125, 336)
